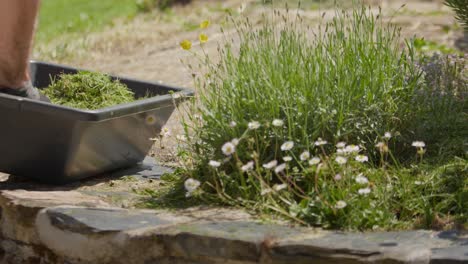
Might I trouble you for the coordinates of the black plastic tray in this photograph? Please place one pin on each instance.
(58, 144)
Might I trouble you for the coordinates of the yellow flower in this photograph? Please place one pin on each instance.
(186, 44)
(203, 38)
(204, 24)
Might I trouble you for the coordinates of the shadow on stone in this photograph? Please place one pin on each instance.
(148, 169)
(458, 237)
(451, 235)
(388, 244)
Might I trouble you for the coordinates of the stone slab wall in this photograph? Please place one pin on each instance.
(35, 227)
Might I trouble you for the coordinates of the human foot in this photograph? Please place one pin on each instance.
(27, 91)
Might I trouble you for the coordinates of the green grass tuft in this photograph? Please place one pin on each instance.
(263, 130)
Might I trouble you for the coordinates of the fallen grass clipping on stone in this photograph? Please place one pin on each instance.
(88, 90)
(339, 127)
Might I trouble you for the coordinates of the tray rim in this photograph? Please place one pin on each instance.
(102, 114)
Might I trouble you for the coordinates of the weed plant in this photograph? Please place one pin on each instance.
(441, 106)
(326, 127)
(88, 90)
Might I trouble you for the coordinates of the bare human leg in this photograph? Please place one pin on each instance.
(17, 23)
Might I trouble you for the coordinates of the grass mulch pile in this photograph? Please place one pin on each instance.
(88, 90)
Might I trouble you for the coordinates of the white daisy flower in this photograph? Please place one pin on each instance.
(341, 160)
(165, 132)
(340, 204)
(320, 142)
(176, 95)
(387, 135)
(382, 147)
(341, 145)
(288, 145)
(214, 163)
(198, 117)
(418, 144)
(314, 161)
(277, 122)
(279, 187)
(287, 158)
(248, 166)
(270, 165)
(340, 151)
(351, 149)
(228, 148)
(232, 124)
(235, 141)
(190, 186)
(361, 179)
(280, 168)
(364, 191)
(362, 158)
(305, 155)
(265, 191)
(253, 125)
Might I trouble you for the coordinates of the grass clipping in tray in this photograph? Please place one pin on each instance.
(88, 90)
